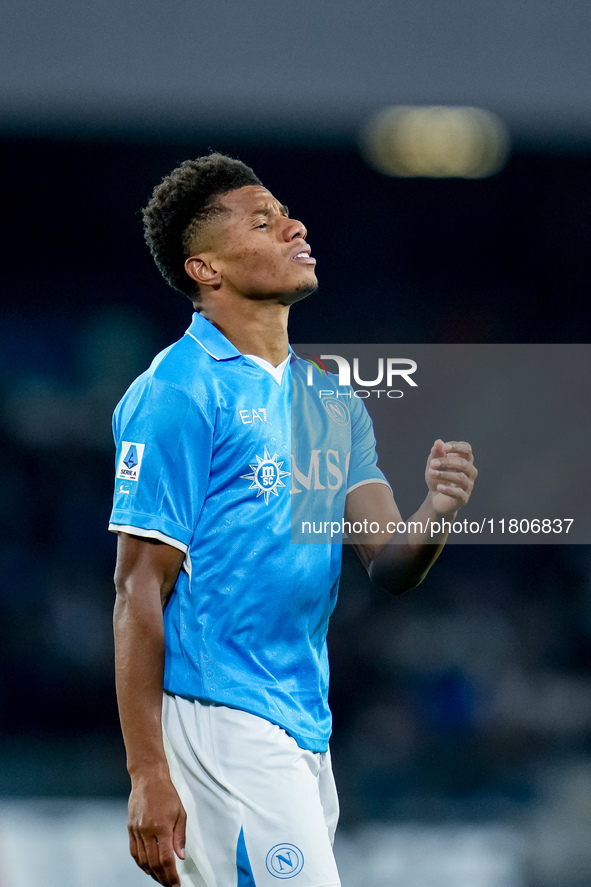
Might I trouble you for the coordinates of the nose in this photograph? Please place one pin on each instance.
(294, 229)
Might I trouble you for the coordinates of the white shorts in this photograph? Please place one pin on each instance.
(260, 809)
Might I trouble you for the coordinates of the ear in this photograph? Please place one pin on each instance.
(203, 270)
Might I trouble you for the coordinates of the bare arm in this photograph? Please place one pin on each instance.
(403, 564)
(144, 578)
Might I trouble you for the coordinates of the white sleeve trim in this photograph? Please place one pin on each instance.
(149, 534)
(371, 480)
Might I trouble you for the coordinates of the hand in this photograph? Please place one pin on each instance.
(156, 826)
(450, 475)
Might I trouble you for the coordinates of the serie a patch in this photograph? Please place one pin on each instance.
(130, 461)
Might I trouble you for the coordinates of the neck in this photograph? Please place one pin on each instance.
(252, 327)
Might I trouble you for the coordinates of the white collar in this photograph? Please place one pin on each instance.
(276, 372)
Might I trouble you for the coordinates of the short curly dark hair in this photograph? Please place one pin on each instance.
(182, 205)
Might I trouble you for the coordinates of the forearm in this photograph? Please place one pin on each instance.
(139, 672)
(403, 563)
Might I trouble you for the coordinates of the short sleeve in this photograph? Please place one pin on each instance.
(164, 445)
(363, 464)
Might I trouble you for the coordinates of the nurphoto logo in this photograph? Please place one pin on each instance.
(389, 371)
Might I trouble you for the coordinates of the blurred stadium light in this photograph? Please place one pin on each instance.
(435, 142)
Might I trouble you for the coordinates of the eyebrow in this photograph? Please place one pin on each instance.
(267, 211)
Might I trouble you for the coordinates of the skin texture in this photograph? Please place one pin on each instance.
(144, 577)
(248, 278)
(450, 474)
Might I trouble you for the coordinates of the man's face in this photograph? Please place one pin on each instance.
(259, 251)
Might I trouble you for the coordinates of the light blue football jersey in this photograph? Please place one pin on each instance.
(207, 462)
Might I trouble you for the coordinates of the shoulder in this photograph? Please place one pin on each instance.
(179, 378)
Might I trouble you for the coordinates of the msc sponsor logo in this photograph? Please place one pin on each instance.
(326, 470)
(284, 861)
(266, 476)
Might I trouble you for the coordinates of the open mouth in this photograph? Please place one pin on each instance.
(304, 257)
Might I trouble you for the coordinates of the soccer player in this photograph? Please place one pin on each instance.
(220, 619)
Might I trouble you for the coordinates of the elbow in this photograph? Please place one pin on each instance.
(396, 587)
(122, 588)
(121, 607)
(395, 577)
(127, 591)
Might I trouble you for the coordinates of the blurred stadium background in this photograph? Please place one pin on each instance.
(462, 742)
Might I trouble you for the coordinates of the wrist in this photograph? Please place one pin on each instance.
(445, 515)
(154, 769)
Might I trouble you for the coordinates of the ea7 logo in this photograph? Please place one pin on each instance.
(395, 368)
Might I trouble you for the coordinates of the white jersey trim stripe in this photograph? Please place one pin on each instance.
(149, 534)
(371, 480)
(202, 345)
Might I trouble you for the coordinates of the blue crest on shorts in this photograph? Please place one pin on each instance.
(285, 861)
